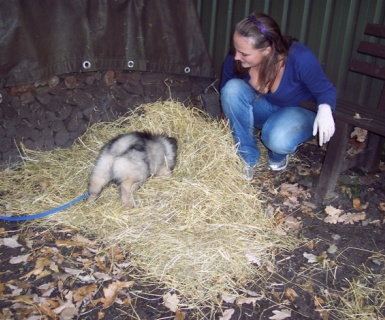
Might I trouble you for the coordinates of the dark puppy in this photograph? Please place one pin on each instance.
(130, 159)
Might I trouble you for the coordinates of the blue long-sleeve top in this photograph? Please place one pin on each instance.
(303, 79)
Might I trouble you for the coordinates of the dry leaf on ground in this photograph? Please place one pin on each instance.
(311, 258)
(360, 134)
(281, 314)
(171, 301)
(227, 314)
(350, 218)
(11, 242)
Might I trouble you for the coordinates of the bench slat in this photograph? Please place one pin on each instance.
(373, 49)
(361, 116)
(373, 29)
(369, 69)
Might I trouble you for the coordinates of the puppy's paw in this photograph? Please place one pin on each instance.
(92, 198)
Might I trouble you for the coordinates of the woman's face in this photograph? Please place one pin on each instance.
(246, 53)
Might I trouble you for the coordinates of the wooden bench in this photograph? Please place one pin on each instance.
(349, 115)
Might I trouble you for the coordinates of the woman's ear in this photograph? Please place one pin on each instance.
(267, 51)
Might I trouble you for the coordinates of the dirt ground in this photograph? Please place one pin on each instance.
(339, 272)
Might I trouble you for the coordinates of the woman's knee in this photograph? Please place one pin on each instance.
(233, 87)
(286, 129)
(234, 96)
(280, 140)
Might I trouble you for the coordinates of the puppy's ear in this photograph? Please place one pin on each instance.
(173, 141)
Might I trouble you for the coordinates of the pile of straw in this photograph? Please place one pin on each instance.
(200, 231)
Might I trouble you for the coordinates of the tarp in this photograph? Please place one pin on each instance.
(39, 39)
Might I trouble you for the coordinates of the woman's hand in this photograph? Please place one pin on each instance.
(324, 124)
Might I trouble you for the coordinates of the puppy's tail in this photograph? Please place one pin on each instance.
(100, 176)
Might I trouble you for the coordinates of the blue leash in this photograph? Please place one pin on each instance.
(46, 213)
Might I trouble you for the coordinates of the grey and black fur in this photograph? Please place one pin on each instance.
(129, 160)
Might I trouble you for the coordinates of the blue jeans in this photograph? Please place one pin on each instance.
(282, 128)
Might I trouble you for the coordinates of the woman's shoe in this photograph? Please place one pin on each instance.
(248, 172)
(278, 166)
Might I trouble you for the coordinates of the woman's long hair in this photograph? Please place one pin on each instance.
(264, 32)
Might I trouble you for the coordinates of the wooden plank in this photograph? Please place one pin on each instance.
(333, 162)
(361, 116)
(372, 160)
(368, 69)
(381, 102)
(374, 29)
(372, 49)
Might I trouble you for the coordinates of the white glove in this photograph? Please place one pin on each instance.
(324, 123)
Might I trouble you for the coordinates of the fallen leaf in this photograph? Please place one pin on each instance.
(179, 315)
(360, 134)
(171, 301)
(111, 292)
(11, 242)
(333, 214)
(16, 291)
(67, 310)
(279, 231)
(74, 272)
(288, 189)
(24, 298)
(47, 289)
(255, 294)
(102, 276)
(381, 206)
(228, 298)
(85, 292)
(292, 202)
(101, 264)
(281, 314)
(242, 300)
(311, 258)
(43, 274)
(46, 310)
(331, 219)
(290, 294)
(351, 218)
(358, 205)
(80, 238)
(332, 249)
(292, 224)
(309, 205)
(330, 210)
(227, 314)
(308, 286)
(336, 237)
(19, 259)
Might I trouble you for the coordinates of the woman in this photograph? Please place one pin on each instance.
(263, 83)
